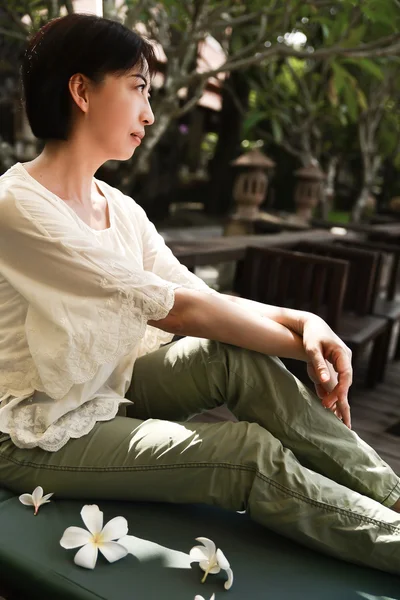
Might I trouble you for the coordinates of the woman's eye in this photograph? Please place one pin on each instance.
(142, 87)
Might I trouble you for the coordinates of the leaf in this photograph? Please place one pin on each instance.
(381, 11)
(276, 130)
(340, 75)
(332, 92)
(351, 102)
(252, 119)
(368, 65)
(362, 100)
(325, 31)
(355, 36)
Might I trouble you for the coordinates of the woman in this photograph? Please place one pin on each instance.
(91, 404)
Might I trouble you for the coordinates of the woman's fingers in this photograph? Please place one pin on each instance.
(344, 409)
(342, 365)
(319, 364)
(321, 391)
(337, 401)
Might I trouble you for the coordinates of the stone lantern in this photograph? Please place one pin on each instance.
(308, 192)
(250, 187)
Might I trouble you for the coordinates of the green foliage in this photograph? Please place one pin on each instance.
(339, 216)
(296, 100)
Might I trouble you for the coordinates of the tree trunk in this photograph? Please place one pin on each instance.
(370, 171)
(367, 129)
(360, 204)
(328, 190)
(219, 199)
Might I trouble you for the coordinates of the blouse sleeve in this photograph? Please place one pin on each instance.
(159, 259)
(86, 305)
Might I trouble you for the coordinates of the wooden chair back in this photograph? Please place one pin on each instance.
(392, 250)
(364, 272)
(295, 280)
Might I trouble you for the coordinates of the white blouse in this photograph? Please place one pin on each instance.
(74, 306)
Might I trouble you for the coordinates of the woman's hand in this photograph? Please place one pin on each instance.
(323, 390)
(329, 366)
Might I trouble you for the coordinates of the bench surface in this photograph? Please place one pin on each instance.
(265, 565)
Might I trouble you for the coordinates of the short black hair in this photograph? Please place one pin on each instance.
(76, 43)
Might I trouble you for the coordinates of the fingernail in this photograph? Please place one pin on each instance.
(324, 376)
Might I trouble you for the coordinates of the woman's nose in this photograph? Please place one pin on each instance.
(148, 116)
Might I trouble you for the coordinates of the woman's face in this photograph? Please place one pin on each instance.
(117, 112)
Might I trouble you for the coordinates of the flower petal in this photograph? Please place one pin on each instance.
(228, 584)
(87, 556)
(74, 537)
(115, 529)
(113, 551)
(198, 553)
(92, 517)
(205, 566)
(129, 542)
(46, 498)
(209, 545)
(37, 494)
(222, 560)
(26, 499)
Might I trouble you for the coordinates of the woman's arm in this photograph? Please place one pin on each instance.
(289, 317)
(215, 317)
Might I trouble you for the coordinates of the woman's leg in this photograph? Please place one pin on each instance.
(238, 466)
(197, 374)
(234, 465)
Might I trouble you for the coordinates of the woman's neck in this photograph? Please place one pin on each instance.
(67, 170)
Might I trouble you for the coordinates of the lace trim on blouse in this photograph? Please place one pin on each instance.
(26, 423)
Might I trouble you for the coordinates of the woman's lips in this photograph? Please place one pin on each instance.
(136, 138)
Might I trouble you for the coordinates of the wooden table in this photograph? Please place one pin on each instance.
(211, 251)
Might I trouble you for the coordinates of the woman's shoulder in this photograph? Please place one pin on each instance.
(13, 181)
(25, 203)
(14, 191)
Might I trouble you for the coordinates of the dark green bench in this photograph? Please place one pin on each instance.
(33, 566)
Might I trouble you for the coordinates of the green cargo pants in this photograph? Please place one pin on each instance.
(290, 463)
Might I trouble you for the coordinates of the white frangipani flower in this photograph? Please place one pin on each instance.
(97, 538)
(211, 560)
(201, 597)
(35, 499)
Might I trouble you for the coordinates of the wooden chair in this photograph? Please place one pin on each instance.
(358, 327)
(387, 302)
(387, 234)
(393, 251)
(293, 279)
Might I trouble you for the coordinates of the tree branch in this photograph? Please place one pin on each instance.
(16, 19)
(13, 34)
(242, 20)
(69, 6)
(256, 43)
(286, 51)
(190, 104)
(132, 15)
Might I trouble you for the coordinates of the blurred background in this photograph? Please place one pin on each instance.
(308, 91)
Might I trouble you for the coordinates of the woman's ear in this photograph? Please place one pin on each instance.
(79, 87)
